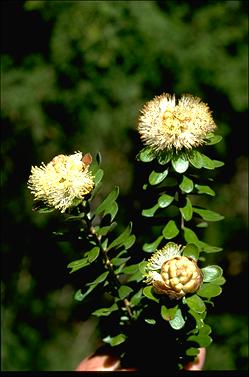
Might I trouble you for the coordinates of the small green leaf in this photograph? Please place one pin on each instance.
(187, 210)
(209, 248)
(119, 241)
(211, 272)
(165, 200)
(142, 267)
(104, 312)
(108, 201)
(93, 254)
(178, 321)
(195, 303)
(191, 251)
(219, 281)
(78, 264)
(148, 292)
(202, 189)
(44, 210)
(89, 257)
(135, 300)
(124, 291)
(186, 185)
(168, 314)
(98, 176)
(180, 164)
(78, 295)
(116, 261)
(202, 340)
(146, 155)
(202, 224)
(195, 158)
(207, 163)
(131, 269)
(115, 340)
(208, 215)
(149, 212)
(157, 177)
(205, 330)
(112, 210)
(130, 241)
(164, 157)
(192, 351)
(99, 279)
(217, 164)
(151, 247)
(151, 321)
(198, 318)
(213, 139)
(105, 229)
(170, 230)
(137, 276)
(191, 237)
(209, 290)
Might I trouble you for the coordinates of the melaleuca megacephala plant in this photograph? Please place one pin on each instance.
(172, 280)
(174, 133)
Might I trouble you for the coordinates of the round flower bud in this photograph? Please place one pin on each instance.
(180, 276)
(171, 273)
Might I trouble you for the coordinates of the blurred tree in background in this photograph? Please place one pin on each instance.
(74, 76)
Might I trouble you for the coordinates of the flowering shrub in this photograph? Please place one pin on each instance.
(169, 292)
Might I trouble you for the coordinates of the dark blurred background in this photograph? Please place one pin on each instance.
(74, 77)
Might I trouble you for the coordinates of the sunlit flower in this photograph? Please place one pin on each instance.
(171, 273)
(61, 182)
(167, 124)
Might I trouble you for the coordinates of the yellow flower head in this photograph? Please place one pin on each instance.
(165, 124)
(61, 181)
(171, 273)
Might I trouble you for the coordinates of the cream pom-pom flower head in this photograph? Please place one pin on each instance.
(171, 273)
(63, 180)
(166, 124)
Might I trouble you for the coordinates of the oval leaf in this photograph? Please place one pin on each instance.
(155, 178)
(170, 230)
(119, 241)
(151, 247)
(187, 210)
(163, 158)
(211, 272)
(150, 321)
(186, 185)
(195, 159)
(168, 314)
(115, 340)
(149, 212)
(202, 189)
(165, 200)
(191, 251)
(213, 139)
(209, 290)
(124, 291)
(146, 155)
(178, 321)
(208, 215)
(209, 248)
(148, 292)
(180, 164)
(191, 237)
(111, 197)
(195, 303)
(104, 312)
